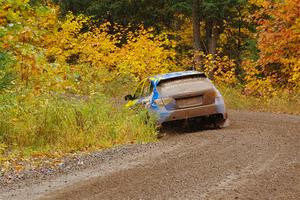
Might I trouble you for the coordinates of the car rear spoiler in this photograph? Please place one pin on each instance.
(198, 75)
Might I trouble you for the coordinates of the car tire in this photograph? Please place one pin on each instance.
(222, 124)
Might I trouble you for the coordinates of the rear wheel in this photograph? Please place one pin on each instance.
(218, 121)
(223, 123)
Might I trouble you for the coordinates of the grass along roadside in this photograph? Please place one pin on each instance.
(53, 126)
(282, 103)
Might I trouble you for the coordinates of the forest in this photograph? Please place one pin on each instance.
(65, 65)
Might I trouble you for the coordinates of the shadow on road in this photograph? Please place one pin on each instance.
(185, 127)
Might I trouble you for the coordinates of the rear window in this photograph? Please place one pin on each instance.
(182, 79)
(173, 87)
(174, 83)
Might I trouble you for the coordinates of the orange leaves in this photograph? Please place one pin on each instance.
(279, 44)
(279, 39)
(5, 45)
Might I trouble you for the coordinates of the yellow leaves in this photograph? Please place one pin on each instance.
(73, 24)
(94, 52)
(220, 68)
(256, 83)
(24, 40)
(3, 147)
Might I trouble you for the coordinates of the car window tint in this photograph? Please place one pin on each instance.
(176, 87)
(138, 90)
(143, 89)
(170, 83)
(146, 89)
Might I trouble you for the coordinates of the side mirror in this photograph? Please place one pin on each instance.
(129, 97)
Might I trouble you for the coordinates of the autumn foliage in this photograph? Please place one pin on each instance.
(75, 55)
(278, 66)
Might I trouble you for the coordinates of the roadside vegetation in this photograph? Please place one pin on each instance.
(282, 103)
(66, 65)
(68, 124)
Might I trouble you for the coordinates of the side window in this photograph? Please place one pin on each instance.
(151, 88)
(138, 91)
(144, 89)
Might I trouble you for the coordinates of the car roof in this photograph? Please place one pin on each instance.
(174, 75)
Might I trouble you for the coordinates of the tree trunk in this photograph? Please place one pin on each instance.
(211, 36)
(196, 33)
(208, 33)
(239, 59)
(211, 41)
(214, 38)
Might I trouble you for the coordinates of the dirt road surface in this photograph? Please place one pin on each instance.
(257, 157)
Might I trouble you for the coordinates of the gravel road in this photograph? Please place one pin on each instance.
(256, 157)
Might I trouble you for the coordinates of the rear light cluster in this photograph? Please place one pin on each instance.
(209, 97)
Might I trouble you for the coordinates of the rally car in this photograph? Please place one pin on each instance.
(180, 96)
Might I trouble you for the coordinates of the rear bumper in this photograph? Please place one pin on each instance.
(192, 112)
(164, 115)
(199, 111)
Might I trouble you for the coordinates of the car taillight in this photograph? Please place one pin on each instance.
(211, 94)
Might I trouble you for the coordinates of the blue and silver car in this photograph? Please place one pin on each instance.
(180, 96)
